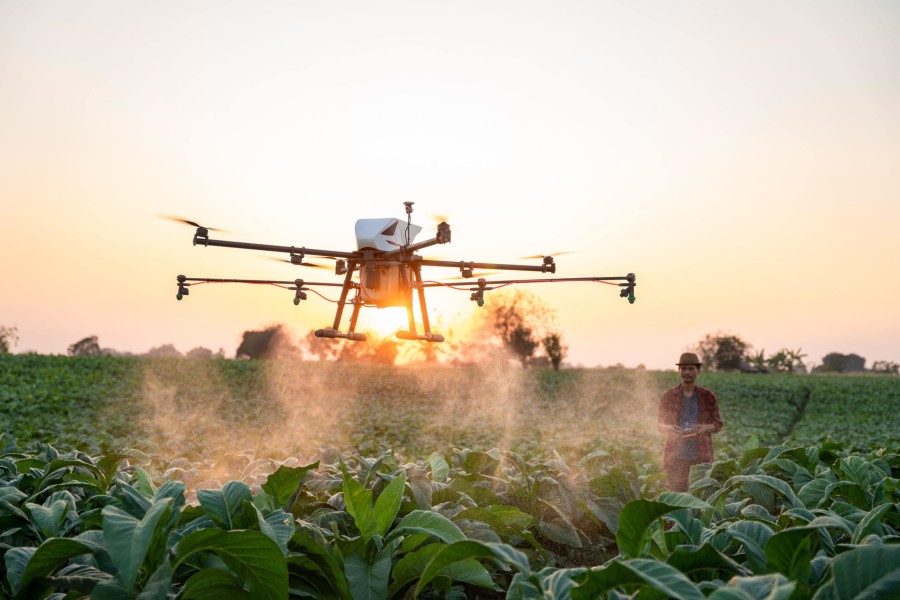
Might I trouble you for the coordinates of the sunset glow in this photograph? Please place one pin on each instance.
(743, 159)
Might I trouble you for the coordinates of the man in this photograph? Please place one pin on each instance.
(689, 414)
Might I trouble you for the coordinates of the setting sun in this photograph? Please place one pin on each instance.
(383, 321)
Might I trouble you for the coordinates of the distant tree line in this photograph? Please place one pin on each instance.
(728, 352)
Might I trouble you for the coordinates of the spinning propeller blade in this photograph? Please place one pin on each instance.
(543, 255)
(178, 219)
(302, 264)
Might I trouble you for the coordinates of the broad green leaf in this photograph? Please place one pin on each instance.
(424, 521)
(755, 511)
(869, 522)
(790, 552)
(470, 549)
(729, 593)
(780, 487)
(226, 505)
(171, 489)
(561, 532)
(145, 483)
(505, 520)
(645, 573)
(868, 572)
(635, 522)
(813, 493)
(132, 501)
(48, 519)
(409, 568)
(17, 560)
(326, 564)
(688, 560)
(278, 525)
(832, 522)
(214, 584)
(12, 494)
(856, 469)
(481, 462)
(482, 496)
(158, 585)
(387, 505)
(851, 491)
(111, 590)
(368, 580)
(43, 561)
(358, 500)
(753, 536)
(75, 578)
(128, 539)
(439, 468)
(253, 556)
(283, 483)
(682, 500)
(550, 583)
(760, 587)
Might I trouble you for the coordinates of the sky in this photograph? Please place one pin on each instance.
(741, 158)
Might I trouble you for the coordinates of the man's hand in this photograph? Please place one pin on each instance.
(690, 431)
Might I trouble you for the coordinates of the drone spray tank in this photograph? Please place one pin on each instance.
(385, 284)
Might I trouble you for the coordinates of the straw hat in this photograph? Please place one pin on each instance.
(689, 358)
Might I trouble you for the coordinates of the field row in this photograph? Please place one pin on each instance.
(209, 408)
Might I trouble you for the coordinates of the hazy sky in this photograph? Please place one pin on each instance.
(742, 158)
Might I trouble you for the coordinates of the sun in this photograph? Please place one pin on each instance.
(383, 321)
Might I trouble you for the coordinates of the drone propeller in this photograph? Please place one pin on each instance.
(439, 217)
(178, 219)
(545, 255)
(302, 264)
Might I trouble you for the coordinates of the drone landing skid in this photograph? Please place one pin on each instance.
(332, 333)
(425, 337)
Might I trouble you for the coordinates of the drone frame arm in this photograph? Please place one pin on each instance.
(627, 279)
(547, 267)
(182, 279)
(205, 241)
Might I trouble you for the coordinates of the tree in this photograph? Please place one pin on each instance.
(885, 367)
(9, 337)
(166, 350)
(322, 348)
(757, 362)
(787, 361)
(520, 320)
(200, 352)
(375, 350)
(272, 342)
(555, 349)
(722, 352)
(836, 362)
(85, 347)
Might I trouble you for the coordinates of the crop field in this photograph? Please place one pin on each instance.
(176, 478)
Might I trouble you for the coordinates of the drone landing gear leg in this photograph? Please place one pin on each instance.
(334, 332)
(350, 335)
(411, 334)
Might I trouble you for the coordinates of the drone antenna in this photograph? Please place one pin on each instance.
(409, 209)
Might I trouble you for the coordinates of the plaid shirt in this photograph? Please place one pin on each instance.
(670, 410)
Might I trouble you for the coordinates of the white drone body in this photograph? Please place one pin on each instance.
(384, 234)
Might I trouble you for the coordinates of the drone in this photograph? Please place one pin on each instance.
(386, 271)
